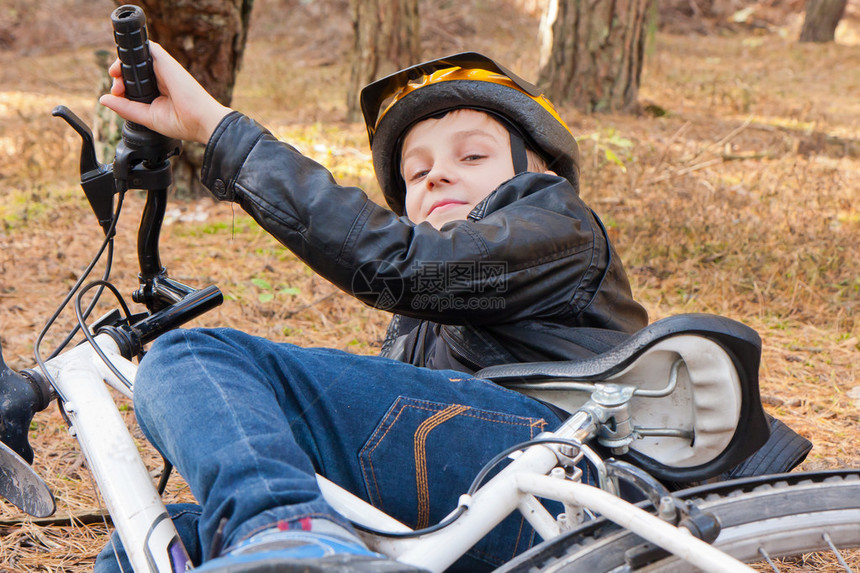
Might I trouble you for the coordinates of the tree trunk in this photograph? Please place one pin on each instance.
(822, 17)
(107, 126)
(386, 37)
(208, 38)
(592, 52)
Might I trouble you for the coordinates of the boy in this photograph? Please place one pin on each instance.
(487, 256)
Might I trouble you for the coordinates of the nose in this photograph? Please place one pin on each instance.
(440, 174)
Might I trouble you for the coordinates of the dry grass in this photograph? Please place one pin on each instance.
(742, 200)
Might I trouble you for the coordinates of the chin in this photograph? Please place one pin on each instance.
(437, 222)
(439, 219)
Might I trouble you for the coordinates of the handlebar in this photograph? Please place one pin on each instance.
(141, 156)
(132, 46)
(132, 338)
(141, 162)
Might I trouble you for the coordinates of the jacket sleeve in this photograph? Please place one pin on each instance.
(530, 250)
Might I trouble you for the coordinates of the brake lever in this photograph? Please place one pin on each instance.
(97, 179)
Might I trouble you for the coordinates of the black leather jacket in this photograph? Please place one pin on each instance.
(529, 276)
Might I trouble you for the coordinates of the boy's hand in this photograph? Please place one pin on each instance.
(184, 110)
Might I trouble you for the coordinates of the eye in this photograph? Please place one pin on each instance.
(418, 175)
(414, 169)
(474, 157)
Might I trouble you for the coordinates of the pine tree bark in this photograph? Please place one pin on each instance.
(592, 53)
(822, 17)
(208, 38)
(386, 37)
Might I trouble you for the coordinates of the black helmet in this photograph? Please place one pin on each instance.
(469, 80)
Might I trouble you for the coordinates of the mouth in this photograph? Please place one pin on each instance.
(444, 204)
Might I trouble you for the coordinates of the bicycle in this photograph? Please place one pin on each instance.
(692, 369)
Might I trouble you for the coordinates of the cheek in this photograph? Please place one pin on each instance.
(479, 194)
(413, 205)
(489, 180)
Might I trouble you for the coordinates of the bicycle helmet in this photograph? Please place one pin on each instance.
(392, 105)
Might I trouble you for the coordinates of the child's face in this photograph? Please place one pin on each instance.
(451, 164)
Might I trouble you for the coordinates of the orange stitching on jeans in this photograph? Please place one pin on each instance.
(421, 485)
(397, 410)
(390, 421)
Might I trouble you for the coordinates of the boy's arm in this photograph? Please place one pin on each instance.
(543, 258)
(549, 266)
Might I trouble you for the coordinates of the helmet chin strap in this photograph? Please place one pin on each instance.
(518, 153)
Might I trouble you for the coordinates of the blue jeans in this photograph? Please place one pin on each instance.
(247, 422)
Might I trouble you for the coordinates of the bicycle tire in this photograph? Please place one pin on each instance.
(786, 515)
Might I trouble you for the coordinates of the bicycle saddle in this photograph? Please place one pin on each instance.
(710, 421)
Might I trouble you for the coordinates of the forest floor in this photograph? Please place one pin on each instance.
(735, 192)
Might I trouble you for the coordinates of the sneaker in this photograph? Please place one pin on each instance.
(276, 551)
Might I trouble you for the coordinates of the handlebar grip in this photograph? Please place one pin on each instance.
(132, 47)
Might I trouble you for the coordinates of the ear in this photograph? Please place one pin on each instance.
(551, 172)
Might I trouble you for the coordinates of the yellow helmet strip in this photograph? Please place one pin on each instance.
(457, 73)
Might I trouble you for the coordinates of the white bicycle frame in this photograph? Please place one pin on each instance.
(152, 543)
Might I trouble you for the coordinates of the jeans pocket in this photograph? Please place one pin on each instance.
(423, 455)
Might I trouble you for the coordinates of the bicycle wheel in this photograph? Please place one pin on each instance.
(788, 522)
